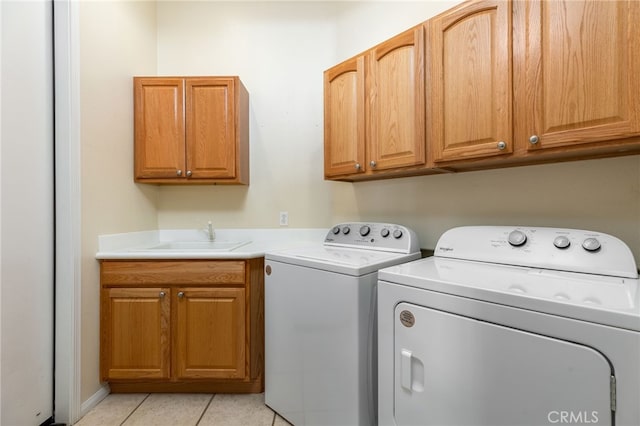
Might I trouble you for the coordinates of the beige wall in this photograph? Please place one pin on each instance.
(117, 41)
(279, 50)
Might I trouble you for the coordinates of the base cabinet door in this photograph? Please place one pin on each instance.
(210, 333)
(194, 325)
(136, 333)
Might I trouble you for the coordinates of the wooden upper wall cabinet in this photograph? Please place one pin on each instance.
(374, 110)
(395, 119)
(469, 88)
(191, 130)
(577, 70)
(487, 84)
(344, 121)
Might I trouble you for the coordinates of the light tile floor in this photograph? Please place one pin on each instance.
(159, 409)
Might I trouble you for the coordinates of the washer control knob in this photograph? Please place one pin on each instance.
(384, 232)
(561, 242)
(336, 230)
(591, 244)
(364, 230)
(397, 234)
(346, 230)
(517, 238)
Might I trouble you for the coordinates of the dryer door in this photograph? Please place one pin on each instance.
(454, 370)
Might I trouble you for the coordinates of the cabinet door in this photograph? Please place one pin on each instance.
(395, 79)
(577, 71)
(470, 92)
(210, 128)
(210, 333)
(344, 127)
(159, 127)
(135, 335)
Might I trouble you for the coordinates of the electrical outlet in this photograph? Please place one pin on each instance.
(284, 218)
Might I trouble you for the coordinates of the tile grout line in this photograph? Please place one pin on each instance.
(205, 409)
(134, 410)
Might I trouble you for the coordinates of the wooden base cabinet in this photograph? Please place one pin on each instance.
(193, 326)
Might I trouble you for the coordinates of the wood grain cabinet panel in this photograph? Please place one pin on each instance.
(191, 130)
(577, 73)
(210, 333)
(374, 111)
(192, 333)
(470, 90)
(159, 127)
(136, 333)
(396, 118)
(344, 121)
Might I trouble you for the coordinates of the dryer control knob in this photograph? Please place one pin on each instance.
(336, 230)
(384, 232)
(591, 244)
(346, 230)
(364, 230)
(561, 242)
(397, 234)
(517, 238)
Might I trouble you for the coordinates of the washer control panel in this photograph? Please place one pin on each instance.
(546, 248)
(375, 236)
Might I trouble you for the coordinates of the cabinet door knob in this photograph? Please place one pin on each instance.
(179, 172)
(358, 166)
(373, 163)
(180, 294)
(162, 294)
(502, 145)
(534, 139)
(189, 173)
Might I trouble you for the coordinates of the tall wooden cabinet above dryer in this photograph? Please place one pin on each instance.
(191, 130)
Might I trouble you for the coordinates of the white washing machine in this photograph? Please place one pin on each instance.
(320, 330)
(511, 326)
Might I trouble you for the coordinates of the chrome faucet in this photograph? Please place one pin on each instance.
(212, 233)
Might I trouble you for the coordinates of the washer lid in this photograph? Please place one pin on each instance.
(612, 301)
(347, 261)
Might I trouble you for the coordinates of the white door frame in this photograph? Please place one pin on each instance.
(68, 209)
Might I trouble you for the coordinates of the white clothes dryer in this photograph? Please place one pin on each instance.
(511, 326)
(320, 330)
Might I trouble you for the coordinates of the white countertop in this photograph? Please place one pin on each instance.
(255, 243)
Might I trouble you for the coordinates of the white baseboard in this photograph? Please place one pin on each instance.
(94, 399)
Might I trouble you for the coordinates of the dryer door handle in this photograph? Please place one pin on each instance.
(405, 369)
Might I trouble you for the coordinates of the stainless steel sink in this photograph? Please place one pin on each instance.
(197, 246)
